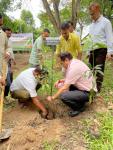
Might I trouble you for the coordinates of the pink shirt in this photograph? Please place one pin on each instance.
(79, 74)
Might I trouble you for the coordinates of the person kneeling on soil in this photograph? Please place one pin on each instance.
(74, 89)
(25, 85)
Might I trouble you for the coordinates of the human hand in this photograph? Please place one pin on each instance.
(59, 83)
(2, 81)
(56, 83)
(109, 57)
(7, 55)
(49, 98)
(14, 62)
(87, 57)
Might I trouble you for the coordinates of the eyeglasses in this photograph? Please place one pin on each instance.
(92, 14)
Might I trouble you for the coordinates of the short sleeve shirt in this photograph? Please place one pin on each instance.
(72, 45)
(79, 74)
(25, 80)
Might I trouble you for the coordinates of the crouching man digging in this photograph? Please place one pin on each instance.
(76, 85)
(25, 85)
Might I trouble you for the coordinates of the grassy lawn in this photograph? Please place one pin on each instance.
(104, 141)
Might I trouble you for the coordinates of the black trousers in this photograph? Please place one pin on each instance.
(98, 57)
(75, 98)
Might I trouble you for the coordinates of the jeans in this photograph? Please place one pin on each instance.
(9, 80)
(98, 57)
(75, 98)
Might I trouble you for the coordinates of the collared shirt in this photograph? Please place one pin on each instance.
(101, 34)
(71, 45)
(36, 51)
(79, 74)
(25, 81)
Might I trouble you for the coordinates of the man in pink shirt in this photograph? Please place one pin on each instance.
(74, 89)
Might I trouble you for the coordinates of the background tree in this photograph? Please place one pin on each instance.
(19, 26)
(27, 17)
(84, 17)
(53, 8)
(45, 22)
(6, 5)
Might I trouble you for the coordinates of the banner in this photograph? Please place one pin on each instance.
(22, 41)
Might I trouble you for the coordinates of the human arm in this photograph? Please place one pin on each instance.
(30, 86)
(79, 55)
(58, 47)
(61, 90)
(2, 80)
(59, 83)
(38, 44)
(39, 105)
(109, 39)
(78, 47)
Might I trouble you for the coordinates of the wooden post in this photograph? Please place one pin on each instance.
(4, 67)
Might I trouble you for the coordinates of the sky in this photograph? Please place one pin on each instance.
(35, 6)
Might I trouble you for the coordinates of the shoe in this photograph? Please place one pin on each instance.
(74, 113)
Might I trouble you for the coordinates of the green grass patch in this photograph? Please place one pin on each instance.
(107, 90)
(52, 145)
(105, 140)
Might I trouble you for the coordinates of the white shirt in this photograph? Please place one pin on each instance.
(101, 34)
(25, 80)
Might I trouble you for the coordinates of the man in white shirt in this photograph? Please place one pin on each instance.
(24, 87)
(102, 40)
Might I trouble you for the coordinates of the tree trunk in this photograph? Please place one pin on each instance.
(53, 20)
(75, 11)
(57, 14)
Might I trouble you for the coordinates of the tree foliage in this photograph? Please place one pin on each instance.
(27, 17)
(75, 10)
(45, 22)
(10, 5)
(53, 10)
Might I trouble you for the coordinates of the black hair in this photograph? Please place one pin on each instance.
(64, 26)
(1, 16)
(40, 70)
(6, 29)
(65, 55)
(70, 22)
(46, 30)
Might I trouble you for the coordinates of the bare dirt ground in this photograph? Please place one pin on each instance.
(31, 132)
